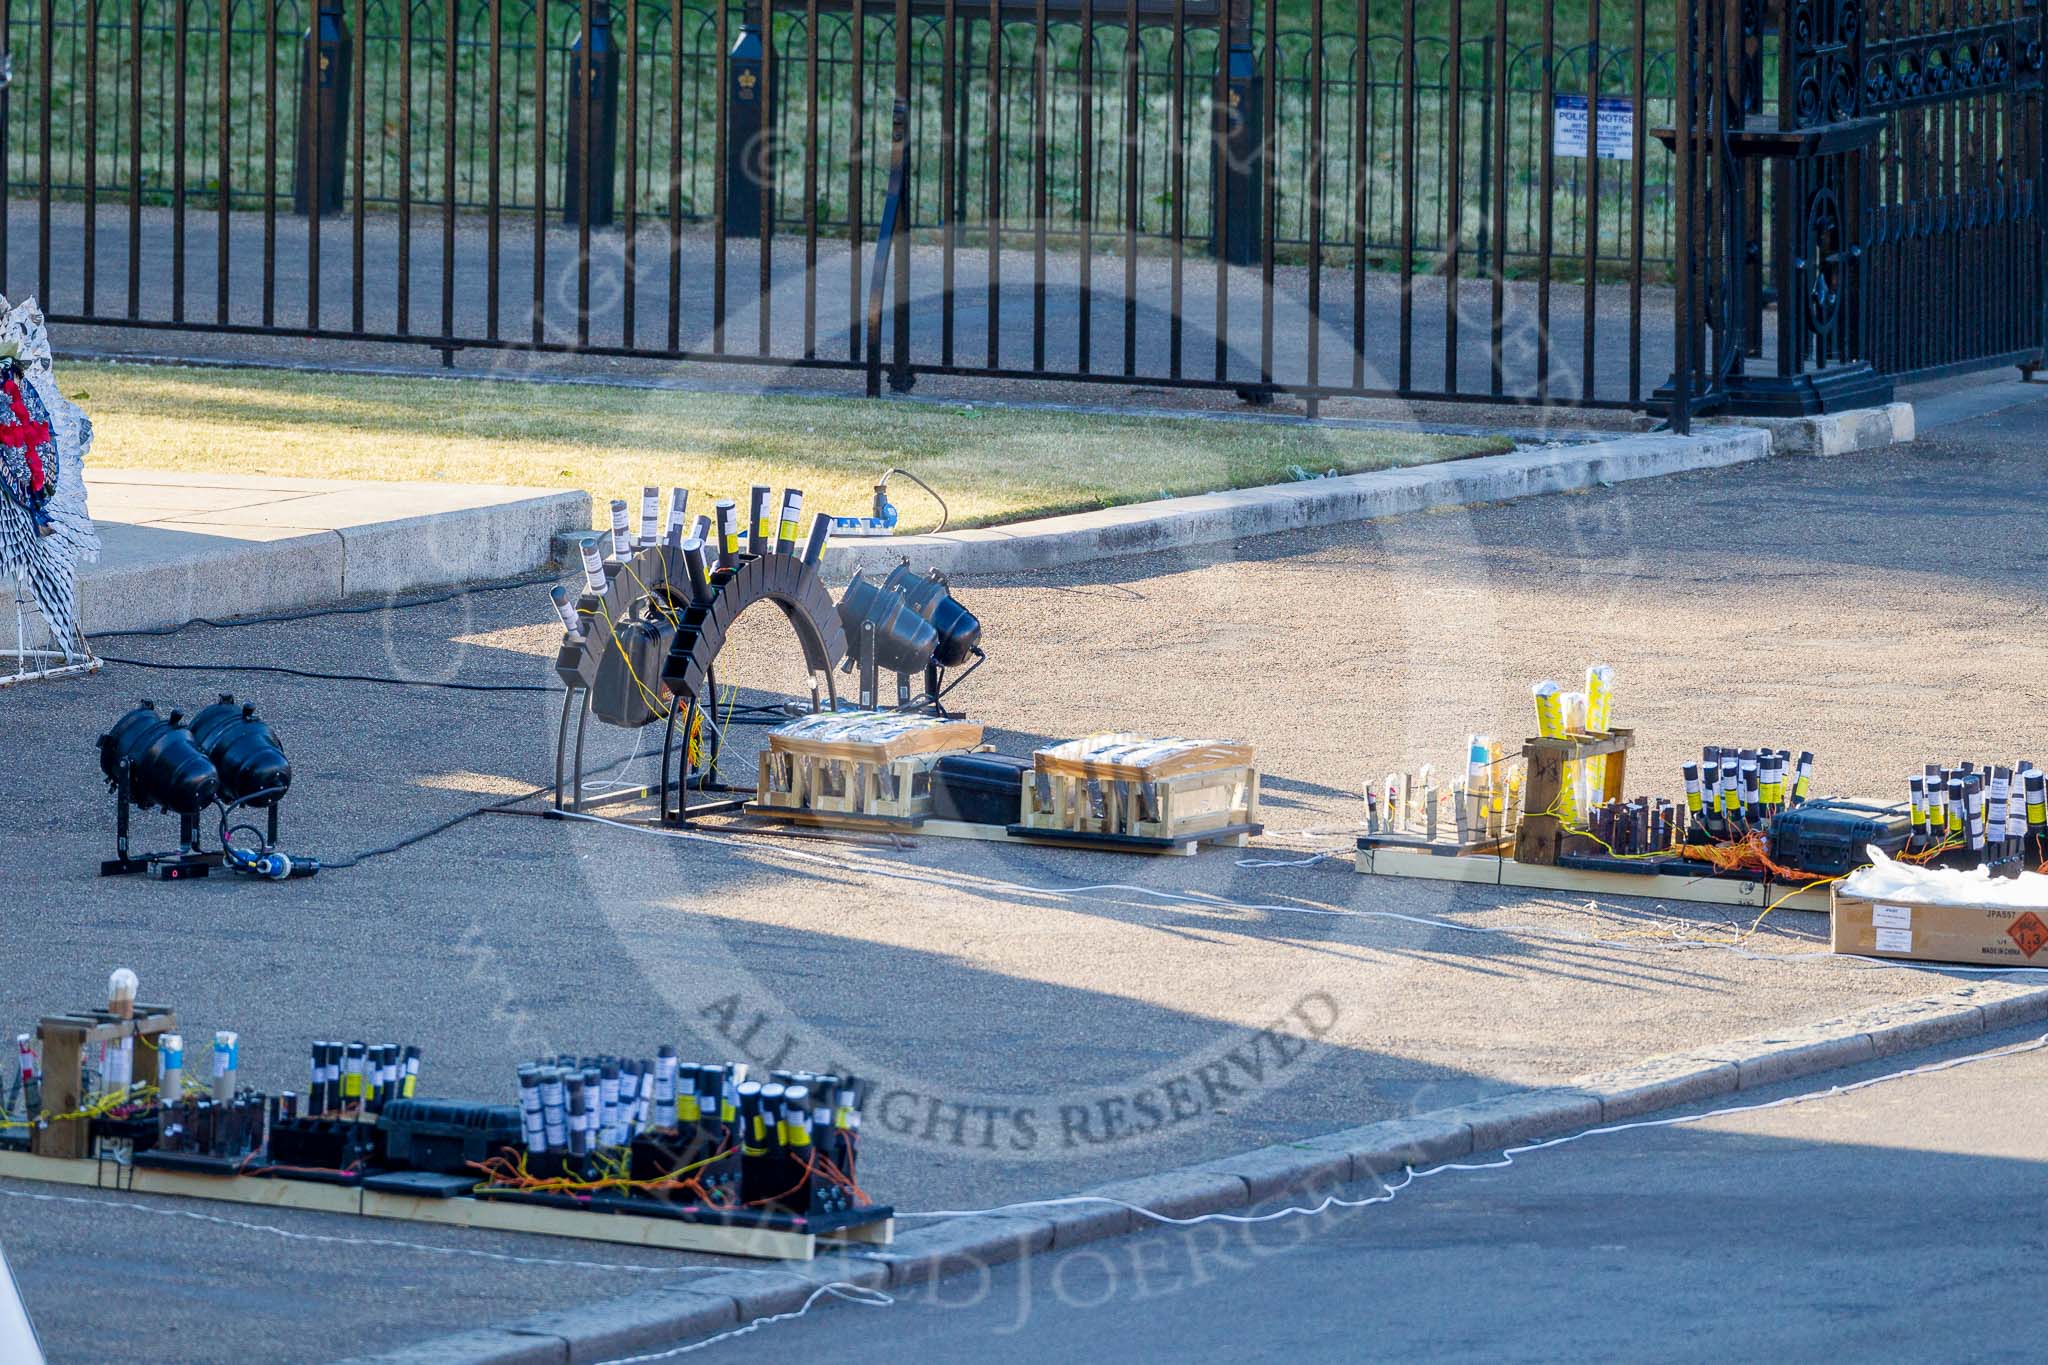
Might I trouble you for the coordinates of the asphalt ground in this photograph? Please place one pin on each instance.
(1894, 1222)
(1872, 609)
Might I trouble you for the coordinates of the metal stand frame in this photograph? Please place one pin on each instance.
(36, 665)
(675, 769)
(870, 681)
(190, 860)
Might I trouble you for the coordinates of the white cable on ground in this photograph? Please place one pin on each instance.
(1410, 1174)
(1097, 892)
(838, 1289)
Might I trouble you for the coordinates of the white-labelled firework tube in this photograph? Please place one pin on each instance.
(727, 514)
(593, 565)
(760, 528)
(678, 503)
(227, 1050)
(622, 544)
(553, 1108)
(532, 1127)
(699, 571)
(566, 609)
(650, 513)
(821, 531)
(791, 525)
(170, 1075)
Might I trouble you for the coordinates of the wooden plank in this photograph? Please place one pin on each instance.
(241, 1189)
(1488, 870)
(63, 1049)
(879, 1234)
(56, 1170)
(1139, 758)
(873, 737)
(624, 1229)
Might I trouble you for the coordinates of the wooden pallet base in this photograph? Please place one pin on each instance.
(670, 1234)
(1186, 846)
(1489, 870)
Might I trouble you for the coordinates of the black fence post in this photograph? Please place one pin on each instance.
(323, 110)
(746, 141)
(593, 95)
(1240, 176)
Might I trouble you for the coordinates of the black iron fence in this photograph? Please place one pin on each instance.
(115, 72)
(1417, 198)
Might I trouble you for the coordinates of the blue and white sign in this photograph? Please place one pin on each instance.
(1617, 127)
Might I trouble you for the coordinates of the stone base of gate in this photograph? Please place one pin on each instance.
(1836, 433)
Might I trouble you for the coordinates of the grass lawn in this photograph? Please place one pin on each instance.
(991, 464)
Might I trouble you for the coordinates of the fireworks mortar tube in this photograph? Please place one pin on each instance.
(572, 624)
(678, 508)
(594, 582)
(814, 545)
(726, 513)
(226, 1058)
(622, 541)
(760, 527)
(650, 515)
(170, 1084)
(792, 521)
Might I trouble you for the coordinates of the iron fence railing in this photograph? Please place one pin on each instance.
(115, 67)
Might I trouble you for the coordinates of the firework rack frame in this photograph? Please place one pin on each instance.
(1204, 796)
(1543, 855)
(61, 1152)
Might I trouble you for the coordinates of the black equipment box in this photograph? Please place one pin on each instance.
(326, 1144)
(444, 1135)
(979, 789)
(1828, 837)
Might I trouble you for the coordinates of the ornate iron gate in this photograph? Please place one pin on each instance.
(1955, 229)
(1860, 201)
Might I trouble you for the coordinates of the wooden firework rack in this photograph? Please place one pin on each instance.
(875, 764)
(64, 1039)
(1541, 853)
(1130, 791)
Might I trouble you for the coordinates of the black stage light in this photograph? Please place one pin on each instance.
(958, 628)
(153, 762)
(904, 641)
(244, 750)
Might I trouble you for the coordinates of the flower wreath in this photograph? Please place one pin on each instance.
(28, 452)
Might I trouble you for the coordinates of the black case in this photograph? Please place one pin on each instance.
(1828, 837)
(979, 789)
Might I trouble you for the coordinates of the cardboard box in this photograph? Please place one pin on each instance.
(1975, 936)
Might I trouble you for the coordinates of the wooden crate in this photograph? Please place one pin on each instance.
(64, 1039)
(1129, 786)
(869, 764)
(1542, 835)
(804, 784)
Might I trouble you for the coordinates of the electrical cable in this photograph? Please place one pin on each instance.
(332, 677)
(945, 514)
(1410, 1174)
(838, 1289)
(361, 609)
(421, 836)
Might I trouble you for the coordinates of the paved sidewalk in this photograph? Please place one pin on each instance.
(176, 546)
